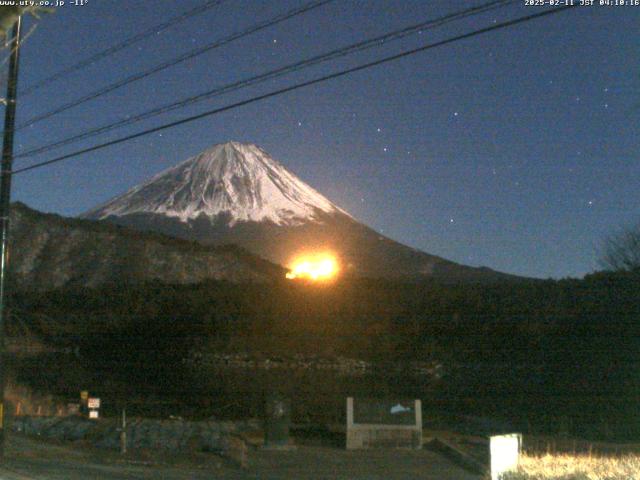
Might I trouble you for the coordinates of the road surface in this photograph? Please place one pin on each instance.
(29, 459)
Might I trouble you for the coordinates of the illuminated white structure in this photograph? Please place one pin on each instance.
(505, 453)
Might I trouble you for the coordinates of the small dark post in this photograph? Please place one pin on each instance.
(5, 205)
(123, 432)
(277, 421)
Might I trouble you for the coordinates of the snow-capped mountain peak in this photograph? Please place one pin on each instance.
(240, 180)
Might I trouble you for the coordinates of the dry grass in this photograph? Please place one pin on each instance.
(576, 467)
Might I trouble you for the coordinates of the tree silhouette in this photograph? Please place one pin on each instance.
(622, 250)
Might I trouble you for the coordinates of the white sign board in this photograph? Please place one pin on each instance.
(94, 403)
(93, 414)
(505, 453)
(383, 423)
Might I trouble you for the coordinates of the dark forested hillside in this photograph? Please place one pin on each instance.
(532, 353)
(49, 251)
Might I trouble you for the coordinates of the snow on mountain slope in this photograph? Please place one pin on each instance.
(241, 180)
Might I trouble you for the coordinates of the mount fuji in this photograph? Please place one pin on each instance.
(235, 193)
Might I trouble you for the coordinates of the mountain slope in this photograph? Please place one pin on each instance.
(235, 179)
(236, 193)
(49, 251)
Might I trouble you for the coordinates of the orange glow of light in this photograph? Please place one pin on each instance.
(318, 267)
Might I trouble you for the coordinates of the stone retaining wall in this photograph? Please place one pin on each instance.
(141, 433)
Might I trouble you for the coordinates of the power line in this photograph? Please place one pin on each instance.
(22, 42)
(7, 59)
(296, 87)
(156, 29)
(272, 74)
(182, 58)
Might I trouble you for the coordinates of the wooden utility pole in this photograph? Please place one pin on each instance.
(5, 207)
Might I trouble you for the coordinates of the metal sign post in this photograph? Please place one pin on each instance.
(123, 432)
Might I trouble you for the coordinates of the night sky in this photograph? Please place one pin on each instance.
(518, 149)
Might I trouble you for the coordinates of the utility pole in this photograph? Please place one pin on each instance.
(5, 206)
